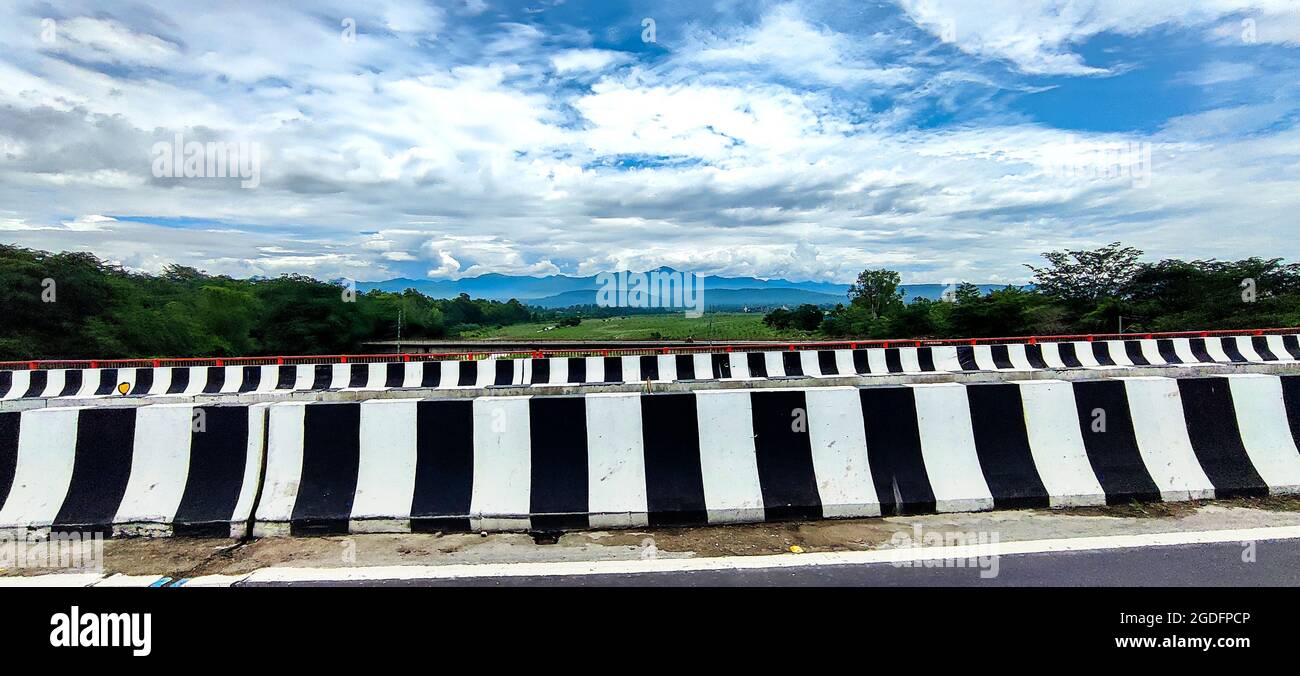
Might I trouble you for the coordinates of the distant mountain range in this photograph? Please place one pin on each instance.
(558, 291)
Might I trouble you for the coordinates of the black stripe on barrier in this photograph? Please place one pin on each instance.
(925, 357)
(358, 376)
(613, 369)
(1197, 346)
(783, 452)
(1291, 401)
(218, 456)
(792, 364)
(893, 360)
(673, 476)
(577, 370)
(1229, 347)
(541, 369)
(466, 372)
(444, 465)
(1133, 350)
(331, 455)
(101, 467)
(721, 365)
(322, 377)
(1292, 345)
(558, 496)
(1108, 438)
(861, 363)
(1260, 345)
(395, 374)
(6, 382)
(71, 382)
(826, 363)
(250, 378)
(894, 451)
(286, 376)
(180, 379)
(215, 379)
(649, 368)
(1165, 347)
(36, 385)
(966, 358)
(431, 374)
(757, 364)
(1101, 353)
(107, 382)
(505, 372)
(685, 364)
(1069, 356)
(1034, 355)
(1216, 438)
(1002, 444)
(1001, 356)
(10, 424)
(143, 381)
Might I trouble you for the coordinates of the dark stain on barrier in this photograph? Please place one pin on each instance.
(331, 454)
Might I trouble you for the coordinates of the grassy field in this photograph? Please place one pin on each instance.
(712, 326)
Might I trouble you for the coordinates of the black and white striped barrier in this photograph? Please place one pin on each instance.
(631, 459)
(160, 468)
(562, 371)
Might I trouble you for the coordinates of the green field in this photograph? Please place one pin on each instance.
(712, 326)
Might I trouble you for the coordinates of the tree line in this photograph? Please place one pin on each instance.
(73, 305)
(1103, 290)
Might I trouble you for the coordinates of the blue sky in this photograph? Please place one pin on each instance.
(947, 139)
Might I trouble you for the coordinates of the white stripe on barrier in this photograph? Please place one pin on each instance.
(595, 370)
(984, 358)
(616, 484)
(775, 367)
(502, 464)
(810, 364)
(1118, 353)
(1277, 346)
(1262, 419)
(47, 442)
(839, 453)
(876, 362)
(632, 370)
(385, 467)
(1214, 347)
(252, 468)
(1056, 444)
(844, 361)
(283, 467)
(1019, 358)
(739, 366)
(703, 365)
(1156, 409)
(945, 358)
(1151, 350)
(1183, 350)
(160, 461)
(948, 448)
(1052, 355)
(728, 466)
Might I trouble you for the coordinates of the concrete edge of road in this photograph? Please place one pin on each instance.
(285, 574)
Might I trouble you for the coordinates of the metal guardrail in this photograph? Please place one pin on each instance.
(541, 352)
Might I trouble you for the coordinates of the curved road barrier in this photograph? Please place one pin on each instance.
(630, 459)
(162, 468)
(568, 371)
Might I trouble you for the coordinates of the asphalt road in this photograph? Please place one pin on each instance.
(1276, 563)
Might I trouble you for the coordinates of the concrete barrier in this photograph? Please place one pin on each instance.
(627, 459)
(153, 469)
(569, 371)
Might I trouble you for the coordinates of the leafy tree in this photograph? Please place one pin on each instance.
(877, 291)
(1087, 275)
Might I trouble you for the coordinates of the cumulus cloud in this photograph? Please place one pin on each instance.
(802, 140)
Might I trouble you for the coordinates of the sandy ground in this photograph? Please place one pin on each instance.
(179, 557)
